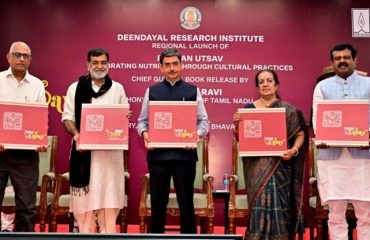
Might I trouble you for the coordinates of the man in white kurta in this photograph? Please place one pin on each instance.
(105, 196)
(343, 173)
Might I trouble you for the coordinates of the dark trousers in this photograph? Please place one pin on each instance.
(22, 167)
(183, 173)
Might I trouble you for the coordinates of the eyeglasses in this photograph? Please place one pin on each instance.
(19, 55)
(96, 63)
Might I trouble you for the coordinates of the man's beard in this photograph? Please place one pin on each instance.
(98, 74)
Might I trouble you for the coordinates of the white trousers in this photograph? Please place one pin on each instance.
(104, 219)
(338, 227)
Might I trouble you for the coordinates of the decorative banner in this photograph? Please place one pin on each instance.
(222, 48)
(168, 126)
(342, 123)
(24, 125)
(104, 127)
(262, 132)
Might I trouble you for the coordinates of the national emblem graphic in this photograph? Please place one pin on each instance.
(190, 18)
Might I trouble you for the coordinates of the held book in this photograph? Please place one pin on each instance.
(24, 125)
(342, 123)
(262, 132)
(104, 127)
(172, 124)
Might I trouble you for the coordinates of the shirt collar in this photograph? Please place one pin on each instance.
(26, 76)
(354, 74)
(173, 83)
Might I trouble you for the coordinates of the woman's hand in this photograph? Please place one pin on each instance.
(237, 118)
(288, 154)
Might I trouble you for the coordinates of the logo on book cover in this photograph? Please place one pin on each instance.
(33, 135)
(183, 133)
(361, 22)
(162, 120)
(115, 134)
(332, 119)
(13, 121)
(94, 122)
(252, 128)
(273, 141)
(190, 18)
(353, 131)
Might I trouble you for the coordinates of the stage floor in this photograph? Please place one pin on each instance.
(134, 229)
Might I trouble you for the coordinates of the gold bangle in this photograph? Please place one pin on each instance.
(296, 149)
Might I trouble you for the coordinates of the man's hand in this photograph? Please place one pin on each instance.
(192, 147)
(76, 138)
(129, 114)
(41, 149)
(189, 148)
(322, 146)
(145, 136)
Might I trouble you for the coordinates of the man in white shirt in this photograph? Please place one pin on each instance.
(343, 172)
(21, 166)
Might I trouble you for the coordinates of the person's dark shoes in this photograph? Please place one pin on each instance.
(5, 230)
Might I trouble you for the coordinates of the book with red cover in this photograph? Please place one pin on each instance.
(172, 124)
(262, 132)
(24, 125)
(342, 123)
(104, 127)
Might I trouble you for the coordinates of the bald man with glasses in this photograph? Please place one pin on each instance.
(21, 166)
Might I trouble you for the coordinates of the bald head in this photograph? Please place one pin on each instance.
(20, 45)
(19, 59)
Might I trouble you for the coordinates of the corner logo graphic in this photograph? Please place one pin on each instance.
(190, 18)
(361, 22)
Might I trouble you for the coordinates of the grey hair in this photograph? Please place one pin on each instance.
(18, 43)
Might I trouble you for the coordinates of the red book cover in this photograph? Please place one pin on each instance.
(24, 125)
(104, 127)
(172, 124)
(342, 123)
(262, 132)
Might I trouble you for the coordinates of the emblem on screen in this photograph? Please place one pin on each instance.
(361, 22)
(190, 18)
